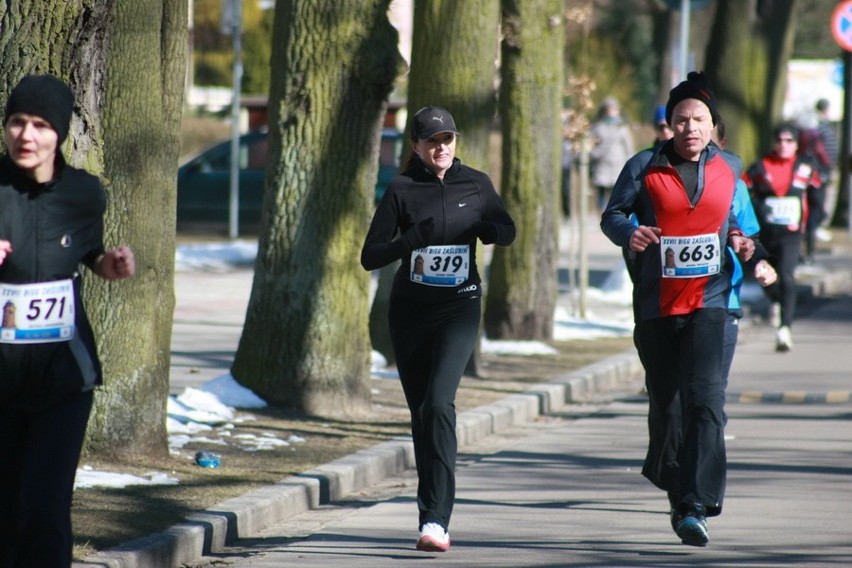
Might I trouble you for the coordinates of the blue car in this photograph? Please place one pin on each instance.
(204, 182)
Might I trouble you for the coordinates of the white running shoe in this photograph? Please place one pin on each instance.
(823, 235)
(784, 339)
(433, 538)
(775, 314)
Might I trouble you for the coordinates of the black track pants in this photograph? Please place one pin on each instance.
(40, 450)
(784, 251)
(432, 344)
(682, 356)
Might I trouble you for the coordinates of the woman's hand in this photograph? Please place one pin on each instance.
(116, 264)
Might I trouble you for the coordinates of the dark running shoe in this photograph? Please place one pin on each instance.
(692, 526)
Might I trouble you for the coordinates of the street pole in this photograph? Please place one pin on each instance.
(582, 214)
(846, 140)
(236, 33)
(684, 38)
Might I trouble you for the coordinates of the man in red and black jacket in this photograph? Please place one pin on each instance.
(681, 194)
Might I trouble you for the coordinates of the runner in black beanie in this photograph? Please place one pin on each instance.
(44, 96)
(695, 87)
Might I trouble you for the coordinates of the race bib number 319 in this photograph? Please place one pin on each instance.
(37, 313)
(690, 257)
(445, 265)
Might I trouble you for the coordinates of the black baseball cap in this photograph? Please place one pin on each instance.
(429, 121)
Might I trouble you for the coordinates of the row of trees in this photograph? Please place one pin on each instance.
(333, 64)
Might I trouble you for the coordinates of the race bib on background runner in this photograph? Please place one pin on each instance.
(689, 257)
(37, 313)
(443, 265)
(785, 210)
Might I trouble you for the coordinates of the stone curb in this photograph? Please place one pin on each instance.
(240, 517)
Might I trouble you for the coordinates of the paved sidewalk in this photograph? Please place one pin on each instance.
(567, 490)
(526, 509)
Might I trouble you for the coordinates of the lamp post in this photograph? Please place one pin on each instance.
(232, 24)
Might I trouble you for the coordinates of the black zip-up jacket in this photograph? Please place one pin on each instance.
(53, 228)
(419, 209)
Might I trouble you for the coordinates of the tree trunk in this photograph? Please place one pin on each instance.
(125, 63)
(305, 343)
(453, 66)
(746, 62)
(663, 21)
(522, 291)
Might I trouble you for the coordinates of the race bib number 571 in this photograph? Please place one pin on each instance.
(37, 313)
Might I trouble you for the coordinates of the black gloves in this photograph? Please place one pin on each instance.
(419, 235)
(486, 231)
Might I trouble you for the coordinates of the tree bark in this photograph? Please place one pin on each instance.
(750, 44)
(305, 343)
(125, 64)
(523, 289)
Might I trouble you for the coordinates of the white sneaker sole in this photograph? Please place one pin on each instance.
(430, 544)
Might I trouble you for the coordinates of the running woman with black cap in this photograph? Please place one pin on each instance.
(51, 221)
(682, 195)
(430, 217)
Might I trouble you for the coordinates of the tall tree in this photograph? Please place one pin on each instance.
(662, 25)
(125, 63)
(746, 62)
(305, 341)
(522, 290)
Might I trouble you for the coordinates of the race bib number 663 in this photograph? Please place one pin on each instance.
(691, 256)
(37, 313)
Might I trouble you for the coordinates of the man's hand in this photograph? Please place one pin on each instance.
(643, 236)
(5, 249)
(743, 246)
(116, 264)
(765, 273)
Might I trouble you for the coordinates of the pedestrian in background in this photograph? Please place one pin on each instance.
(662, 129)
(812, 147)
(430, 217)
(51, 222)
(567, 167)
(827, 135)
(779, 184)
(612, 145)
(682, 196)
